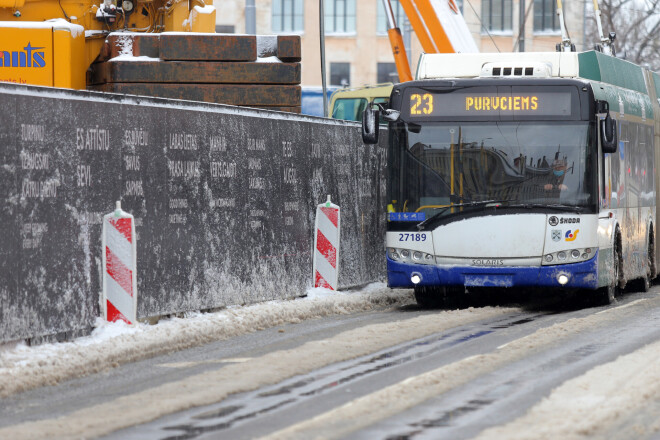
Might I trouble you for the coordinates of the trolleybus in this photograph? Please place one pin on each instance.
(521, 170)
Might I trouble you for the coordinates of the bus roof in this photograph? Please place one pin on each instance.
(591, 65)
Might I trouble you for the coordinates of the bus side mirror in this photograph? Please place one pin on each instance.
(370, 125)
(608, 135)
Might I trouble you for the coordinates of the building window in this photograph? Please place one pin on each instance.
(387, 73)
(340, 16)
(340, 74)
(497, 15)
(545, 16)
(287, 16)
(399, 16)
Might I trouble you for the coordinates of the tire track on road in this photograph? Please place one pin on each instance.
(367, 410)
(214, 386)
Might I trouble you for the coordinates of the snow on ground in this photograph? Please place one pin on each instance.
(562, 416)
(113, 344)
(590, 405)
(249, 374)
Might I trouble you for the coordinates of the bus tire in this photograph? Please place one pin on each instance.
(619, 276)
(435, 297)
(429, 297)
(644, 283)
(606, 295)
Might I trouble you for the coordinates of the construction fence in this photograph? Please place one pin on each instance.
(223, 198)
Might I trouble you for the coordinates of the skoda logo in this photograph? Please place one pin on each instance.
(554, 221)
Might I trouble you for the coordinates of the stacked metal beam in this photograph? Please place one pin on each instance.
(242, 70)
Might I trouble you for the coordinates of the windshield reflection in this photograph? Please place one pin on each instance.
(444, 164)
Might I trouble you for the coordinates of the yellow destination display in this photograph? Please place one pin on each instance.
(459, 103)
(486, 103)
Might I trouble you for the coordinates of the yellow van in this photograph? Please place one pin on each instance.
(349, 103)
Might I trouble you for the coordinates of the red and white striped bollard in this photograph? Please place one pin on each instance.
(325, 262)
(119, 245)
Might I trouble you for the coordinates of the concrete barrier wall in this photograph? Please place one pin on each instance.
(224, 200)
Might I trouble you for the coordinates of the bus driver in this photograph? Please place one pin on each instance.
(557, 177)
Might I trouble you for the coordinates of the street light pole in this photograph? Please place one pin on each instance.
(250, 17)
(322, 35)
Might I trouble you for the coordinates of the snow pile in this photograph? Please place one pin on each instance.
(272, 59)
(208, 9)
(266, 45)
(55, 23)
(591, 405)
(129, 57)
(113, 344)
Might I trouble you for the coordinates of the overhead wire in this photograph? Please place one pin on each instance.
(482, 25)
(522, 25)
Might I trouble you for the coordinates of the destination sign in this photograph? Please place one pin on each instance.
(464, 102)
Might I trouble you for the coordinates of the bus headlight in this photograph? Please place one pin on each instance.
(562, 257)
(410, 256)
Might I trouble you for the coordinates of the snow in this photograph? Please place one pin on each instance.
(112, 344)
(607, 395)
(56, 23)
(125, 42)
(248, 374)
(266, 45)
(208, 9)
(272, 59)
(589, 405)
(125, 57)
(608, 392)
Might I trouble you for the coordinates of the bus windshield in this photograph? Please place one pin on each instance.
(436, 165)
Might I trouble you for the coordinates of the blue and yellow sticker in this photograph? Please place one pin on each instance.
(407, 216)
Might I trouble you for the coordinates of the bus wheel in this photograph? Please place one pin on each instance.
(435, 297)
(605, 295)
(645, 282)
(430, 297)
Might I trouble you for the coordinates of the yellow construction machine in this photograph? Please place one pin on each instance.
(53, 42)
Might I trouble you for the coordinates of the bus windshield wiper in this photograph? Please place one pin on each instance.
(484, 203)
(552, 206)
(499, 204)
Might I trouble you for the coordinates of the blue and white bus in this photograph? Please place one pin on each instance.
(521, 170)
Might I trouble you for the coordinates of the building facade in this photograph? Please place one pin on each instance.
(357, 49)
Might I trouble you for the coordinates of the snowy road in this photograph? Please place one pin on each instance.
(369, 365)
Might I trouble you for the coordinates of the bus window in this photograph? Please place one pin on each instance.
(349, 108)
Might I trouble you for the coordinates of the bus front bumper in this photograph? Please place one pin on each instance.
(575, 275)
